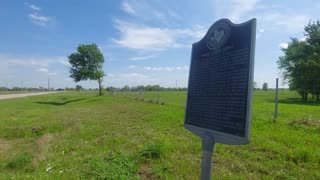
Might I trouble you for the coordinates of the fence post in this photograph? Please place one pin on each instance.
(276, 101)
(158, 93)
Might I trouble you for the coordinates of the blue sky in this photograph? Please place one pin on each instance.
(143, 42)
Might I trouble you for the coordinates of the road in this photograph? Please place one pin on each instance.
(10, 96)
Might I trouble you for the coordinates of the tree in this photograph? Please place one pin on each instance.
(125, 88)
(300, 63)
(86, 64)
(79, 88)
(265, 86)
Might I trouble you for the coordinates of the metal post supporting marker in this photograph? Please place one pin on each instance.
(207, 152)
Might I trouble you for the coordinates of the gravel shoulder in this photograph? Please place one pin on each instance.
(10, 96)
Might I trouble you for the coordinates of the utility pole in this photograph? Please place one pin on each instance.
(7, 86)
(159, 93)
(48, 83)
(176, 85)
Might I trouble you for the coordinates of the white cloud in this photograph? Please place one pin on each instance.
(126, 7)
(34, 7)
(142, 58)
(43, 69)
(160, 16)
(147, 11)
(27, 62)
(132, 66)
(52, 74)
(241, 7)
(154, 38)
(64, 61)
(283, 45)
(166, 68)
(139, 37)
(302, 39)
(134, 76)
(169, 68)
(110, 75)
(32, 61)
(290, 22)
(259, 34)
(39, 19)
(68, 79)
(270, 16)
(174, 15)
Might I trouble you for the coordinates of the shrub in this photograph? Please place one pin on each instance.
(152, 151)
(19, 162)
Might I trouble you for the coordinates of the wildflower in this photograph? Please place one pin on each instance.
(48, 169)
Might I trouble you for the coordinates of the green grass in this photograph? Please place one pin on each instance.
(76, 135)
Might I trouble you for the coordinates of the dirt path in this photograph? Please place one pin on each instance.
(9, 96)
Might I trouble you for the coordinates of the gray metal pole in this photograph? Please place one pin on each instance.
(158, 93)
(207, 152)
(276, 101)
(48, 83)
(176, 85)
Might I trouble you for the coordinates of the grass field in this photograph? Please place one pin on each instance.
(76, 135)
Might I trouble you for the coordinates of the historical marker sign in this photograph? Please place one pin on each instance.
(220, 82)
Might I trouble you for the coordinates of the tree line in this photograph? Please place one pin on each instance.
(139, 88)
(300, 63)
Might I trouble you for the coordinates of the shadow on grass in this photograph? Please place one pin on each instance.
(297, 101)
(59, 103)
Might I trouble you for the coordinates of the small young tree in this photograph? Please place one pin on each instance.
(265, 86)
(300, 63)
(87, 63)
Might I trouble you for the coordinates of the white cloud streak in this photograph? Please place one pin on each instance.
(132, 66)
(241, 7)
(285, 21)
(64, 61)
(166, 68)
(34, 7)
(52, 74)
(33, 61)
(302, 39)
(126, 7)
(283, 45)
(36, 18)
(142, 37)
(39, 19)
(43, 70)
(142, 58)
(134, 76)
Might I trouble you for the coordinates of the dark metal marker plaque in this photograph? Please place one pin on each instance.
(220, 83)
